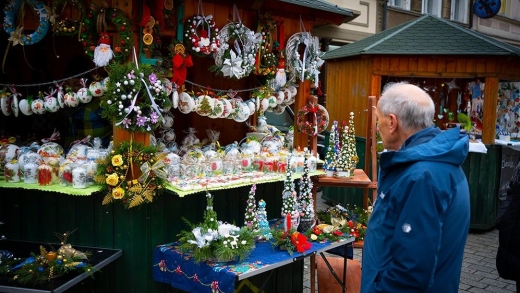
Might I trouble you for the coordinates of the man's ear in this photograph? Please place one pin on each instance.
(392, 124)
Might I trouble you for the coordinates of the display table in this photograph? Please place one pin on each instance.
(180, 271)
(99, 258)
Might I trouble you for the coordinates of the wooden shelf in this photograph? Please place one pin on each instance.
(360, 179)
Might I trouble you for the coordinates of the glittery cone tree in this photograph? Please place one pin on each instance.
(343, 163)
(354, 159)
(288, 194)
(210, 216)
(250, 219)
(305, 200)
(332, 151)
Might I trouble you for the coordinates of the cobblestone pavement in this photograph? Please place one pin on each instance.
(479, 272)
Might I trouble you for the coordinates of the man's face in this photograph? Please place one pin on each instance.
(386, 128)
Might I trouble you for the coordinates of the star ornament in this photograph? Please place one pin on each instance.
(451, 85)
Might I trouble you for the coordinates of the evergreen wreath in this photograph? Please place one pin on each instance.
(237, 62)
(201, 35)
(68, 27)
(135, 97)
(114, 171)
(16, 32)
(308, 65)
(305, 126)
(89, 39)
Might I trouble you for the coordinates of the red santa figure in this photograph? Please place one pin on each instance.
(103, 53)
(180, 62)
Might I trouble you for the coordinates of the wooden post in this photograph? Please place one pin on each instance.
(490, 110)
(304, 91)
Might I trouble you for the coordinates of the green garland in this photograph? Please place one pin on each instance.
(135, 97)
(114, 173)
(38, 269)
(123, 45)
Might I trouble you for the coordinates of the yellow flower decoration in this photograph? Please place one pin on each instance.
(117, 160)
(112, 179)
(118, 193)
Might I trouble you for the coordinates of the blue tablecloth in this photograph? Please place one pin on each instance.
(180, 271)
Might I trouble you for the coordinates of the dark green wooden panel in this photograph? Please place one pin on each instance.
(348, 196)
(34, 215)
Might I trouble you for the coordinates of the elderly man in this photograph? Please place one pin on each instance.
(418, 229)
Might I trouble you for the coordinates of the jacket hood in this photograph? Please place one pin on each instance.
(430, 144)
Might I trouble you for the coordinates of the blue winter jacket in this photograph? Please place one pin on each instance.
(418, 229)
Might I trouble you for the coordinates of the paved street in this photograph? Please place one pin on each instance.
(479, 272)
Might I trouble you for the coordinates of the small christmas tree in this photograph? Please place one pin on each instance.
(305, 199)
(288, 195)
(343, 163)
(331, 155)
(210, 216)
(354, 159)
(250, 219)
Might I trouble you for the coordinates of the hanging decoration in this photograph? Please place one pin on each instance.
(236, 60)
(320, 115)
(66, 26)
(124, 162)
(201, 33)
(135, 97)
(181, 62)
(267, 56)
(16, 31)
(96, 23)
(306, 66)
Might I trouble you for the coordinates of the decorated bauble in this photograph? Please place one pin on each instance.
(226, 108)
(6, 104)
(51, 104)
(175, 99)
(242, 111)
(84, 96)
(167, 121)
(38, 106)
(8, 152)
(280, 97)
(104, 83)
(15, 105)
(25, 107)
(186, 103)
(28, 157)
(252, 106)
(205, 105)
(96, 89)
(168, 85)
(49, 151)
(264, 104)
(71, 100)
(218, 108)
(272, 101)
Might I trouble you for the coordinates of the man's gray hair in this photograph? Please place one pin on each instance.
(411, 104)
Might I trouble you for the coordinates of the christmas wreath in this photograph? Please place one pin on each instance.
(237, 62)
(308, 128)
(201, 35)
(17, 37)
(67, 27)
(135, 97)
(91, 26)
(115, 173)
(308, 65)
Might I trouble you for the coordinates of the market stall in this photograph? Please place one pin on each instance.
(448, 61)
(161, 78)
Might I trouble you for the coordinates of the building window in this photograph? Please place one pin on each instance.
(432, 7)
(403, 4)
(459, 10)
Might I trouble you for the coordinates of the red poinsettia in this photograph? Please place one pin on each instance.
(300, 241)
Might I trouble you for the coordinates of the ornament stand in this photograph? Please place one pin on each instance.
(360, 179)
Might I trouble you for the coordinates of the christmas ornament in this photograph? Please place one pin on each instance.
(16, 32)
(180, 62)
(318, 113)
(103, 53)
(304, 66)
(201, 34)
(67, 26)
